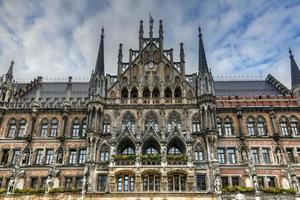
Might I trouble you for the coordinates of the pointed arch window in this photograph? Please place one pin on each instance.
(75, 128)
(134, 93)
(284, 126)
(168, 93)
(146, 93)
(174, 150)
(294, 122)
(261, 126)
(177, 92)
(104, 153)
(124, 93)
(151, 122)
(250, 126)
(12, 128)
(53, 128)
(128, 122)
(174, 121)
(155, 93)
(106, 124)
(44, 128)
(22, 128)
(196, 126)
(219, 126)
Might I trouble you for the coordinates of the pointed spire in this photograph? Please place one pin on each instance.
(9, 74)
(100, 58)
(181, 53)
(295, 72)
(150, 26)
(161, 36)
(120, 54)
(141, 31)
(202, 65)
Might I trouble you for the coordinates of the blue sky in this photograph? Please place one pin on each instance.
(56, 39)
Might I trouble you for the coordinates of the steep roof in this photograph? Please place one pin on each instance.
(295, 72)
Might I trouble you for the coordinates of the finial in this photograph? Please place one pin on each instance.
(12, 63)
(199, 30)
(102, 32)
(151, 26)
(70, 79)
(291, 53)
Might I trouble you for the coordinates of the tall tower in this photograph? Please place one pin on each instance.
(8, 86)
(295, 76)
(207, 106)
(95, 107)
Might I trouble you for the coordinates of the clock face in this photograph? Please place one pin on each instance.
(150, 67)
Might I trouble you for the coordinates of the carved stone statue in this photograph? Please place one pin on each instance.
(11, 185)
(49, 184)
(244, 155)
(85, 180)
(253, 175)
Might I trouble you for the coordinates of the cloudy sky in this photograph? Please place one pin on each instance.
(56, 39)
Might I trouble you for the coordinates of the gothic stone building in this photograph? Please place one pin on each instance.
(151, 129)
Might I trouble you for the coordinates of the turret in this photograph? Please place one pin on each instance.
(120, 58)
(8, 86)
(161, 36)
(141, 36)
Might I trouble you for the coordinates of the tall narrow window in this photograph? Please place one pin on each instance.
(79, 182)
(84, 128)
(44, 128)
(290, 155)
(104, 155)
(221, 155)
(106, 124)
(219, 128)
(199, 155)
(261, 127)
(250, 126)
(53, 129)
(294, 126)
(228, 126)
(261, 182)
(231, 155)
(235, 180)
(102, 179)
(201, 183)
(12, 128)
(72, 157)
(22, 128)
(16, 156)
(82, 156)
(5, 154)
(255, 155)
(49, 156)
(266, 155)
(75, 128)
(196, 123)
(39, 157)
(68, 182)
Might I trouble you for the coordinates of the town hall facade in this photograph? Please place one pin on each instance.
(151, 129)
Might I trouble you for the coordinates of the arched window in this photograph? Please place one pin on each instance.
(44, 128)
(151, 151)
(128, 151)
(174, 151)
(128, 121)
(196, 123)
(261, 126)
(228, 126)
(106, 124)
(250, 126)
(220, 126)
(155, 93)
(146, 93)
(104, 153)
(168, 93)
(124, 93)
(294, 122)
(53, 128)
(12, 128)
(284, 126)
(177, 92)
(151, 121)
(198, 154)
(174, 121)
(134, 93)
(75, 128)
(83, 127)
(22, 128)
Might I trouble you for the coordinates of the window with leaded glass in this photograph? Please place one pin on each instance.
(128, 151)
(39, 157)
(228, 127)
(79, 181)
(102, 179)
(22, 128)
(104, 154)
(12, 128)
(49, 156)
(261, 128)
(201, 182)
(84, 128)
(53, 128)
(294, 126)
(82, 156)
(72, 157)
(151, 182)
(106, 124)
(126, 183)
(219, 128)
(174, 151)
(44, 128)
(16, 156)
(199, 154)
(255, 155)
(177, 182)
(151, 151)
(221, 155)
(231, 155)
(196, 126)
(250, 126)
(75, 128)
(266, 155)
